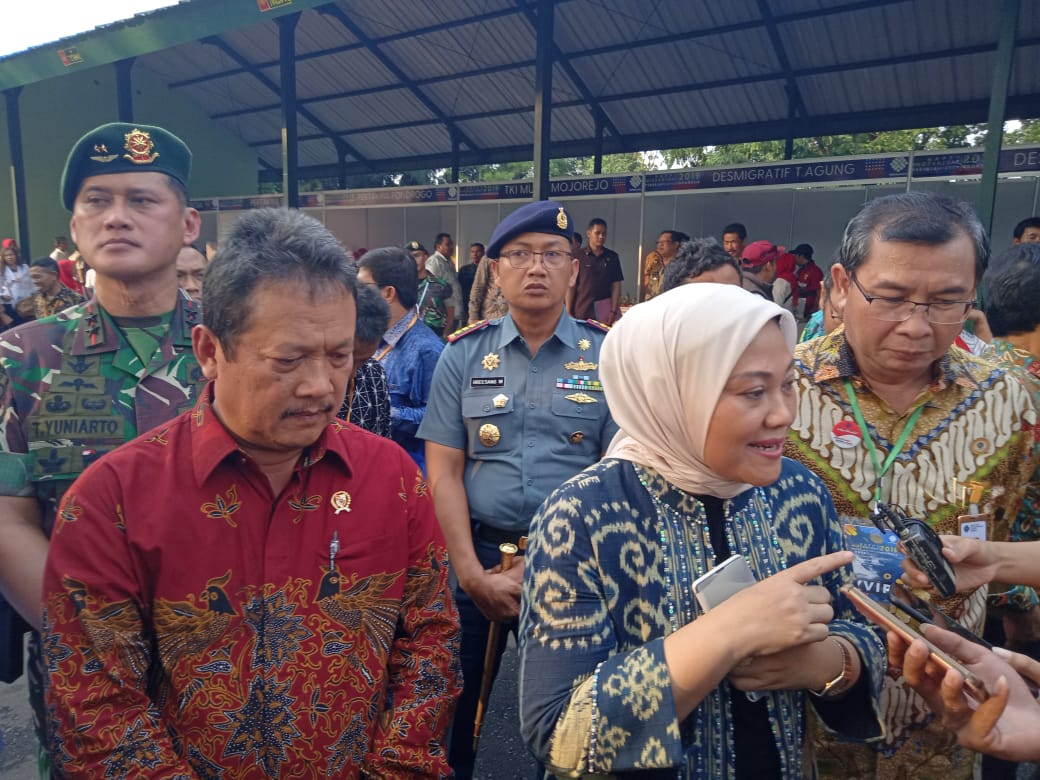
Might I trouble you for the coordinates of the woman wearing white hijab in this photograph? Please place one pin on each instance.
(621, 669)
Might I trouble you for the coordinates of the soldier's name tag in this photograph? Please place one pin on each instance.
(487, 381)
(51, 428)
(973, 526)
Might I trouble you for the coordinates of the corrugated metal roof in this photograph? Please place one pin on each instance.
(397, 79)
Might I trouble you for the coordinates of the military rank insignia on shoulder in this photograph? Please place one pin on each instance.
(596, 324)
(471, 328)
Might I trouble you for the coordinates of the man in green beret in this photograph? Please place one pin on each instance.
(81, 382)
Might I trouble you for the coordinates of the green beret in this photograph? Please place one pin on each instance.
(124, 148)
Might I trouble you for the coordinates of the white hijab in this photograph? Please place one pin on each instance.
(664, 366)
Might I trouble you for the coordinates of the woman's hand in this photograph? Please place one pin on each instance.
(803, 667)
(797, 613)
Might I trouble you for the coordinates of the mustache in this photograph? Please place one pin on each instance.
(327, 409)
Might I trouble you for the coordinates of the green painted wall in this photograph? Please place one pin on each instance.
(57, 112)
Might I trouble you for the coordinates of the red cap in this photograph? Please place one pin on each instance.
(757, 254)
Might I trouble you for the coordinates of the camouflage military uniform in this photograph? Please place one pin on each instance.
(75, 388)
(434, 297)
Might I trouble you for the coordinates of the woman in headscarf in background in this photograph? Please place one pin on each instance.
(621, 669)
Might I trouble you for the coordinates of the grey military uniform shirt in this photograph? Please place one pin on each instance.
(527, 424)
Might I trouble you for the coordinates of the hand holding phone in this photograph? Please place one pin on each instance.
(880, 616)
(926, 611)
(729, 577)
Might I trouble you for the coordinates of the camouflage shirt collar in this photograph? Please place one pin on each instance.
(96, 331)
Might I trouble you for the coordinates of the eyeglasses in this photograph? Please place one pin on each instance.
(552, 259)
(902, 309)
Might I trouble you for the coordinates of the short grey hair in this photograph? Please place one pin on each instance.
(913, 217)
(270, 246)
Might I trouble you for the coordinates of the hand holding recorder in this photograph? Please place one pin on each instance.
(976, 563)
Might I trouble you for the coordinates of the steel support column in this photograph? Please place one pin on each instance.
(597, 159)
(125, 89)
(287, 72)
(543, 99)
(14, 143)
(455, 152)
(997, 106)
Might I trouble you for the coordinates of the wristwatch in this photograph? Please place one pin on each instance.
(843, 681)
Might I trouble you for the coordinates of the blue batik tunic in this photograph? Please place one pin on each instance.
(611, 558)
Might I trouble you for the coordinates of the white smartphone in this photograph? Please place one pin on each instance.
(729, 577)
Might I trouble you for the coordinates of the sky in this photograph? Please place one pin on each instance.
(33, 23)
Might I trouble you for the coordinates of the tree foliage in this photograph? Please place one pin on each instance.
(1026, 131)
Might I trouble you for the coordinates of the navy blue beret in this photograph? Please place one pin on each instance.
(542, 216)
(124, 148)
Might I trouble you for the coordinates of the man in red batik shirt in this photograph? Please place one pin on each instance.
(255, 589)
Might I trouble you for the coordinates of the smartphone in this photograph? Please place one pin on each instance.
(925, 611)
(729, 577)
(880, 616)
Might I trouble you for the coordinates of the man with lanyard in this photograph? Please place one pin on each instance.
(434, 293)
(515, 410)
(82, 382)
(891, 411)
(408, 350)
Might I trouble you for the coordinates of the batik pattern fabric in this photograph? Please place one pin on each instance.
(975, 434)
(196, 625)
(610, 561)
(813, 327)
(46, 306)
(1026, 367)
(367, 404)
(486, 301)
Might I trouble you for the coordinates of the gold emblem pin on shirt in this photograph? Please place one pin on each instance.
(581, 398)
(577, 437)
(340, 501)
(489, 435)
(490, 362)
(581, 365)
(584, 345)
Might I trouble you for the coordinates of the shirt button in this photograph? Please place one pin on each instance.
(487, 408)
(530, 444)
(530, 406)
(530, 482)
(534, 369)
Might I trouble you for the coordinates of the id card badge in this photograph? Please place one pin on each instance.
(973, 526)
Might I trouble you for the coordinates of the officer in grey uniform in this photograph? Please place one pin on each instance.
(516, 408)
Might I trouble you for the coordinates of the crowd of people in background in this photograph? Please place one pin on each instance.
(283, 505)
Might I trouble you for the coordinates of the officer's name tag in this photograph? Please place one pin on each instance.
(973, 526)
(487, 381)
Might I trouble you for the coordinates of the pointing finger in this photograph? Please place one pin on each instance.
(811, 569)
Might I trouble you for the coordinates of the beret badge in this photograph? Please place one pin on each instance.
(139, 146)
(101, 154)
